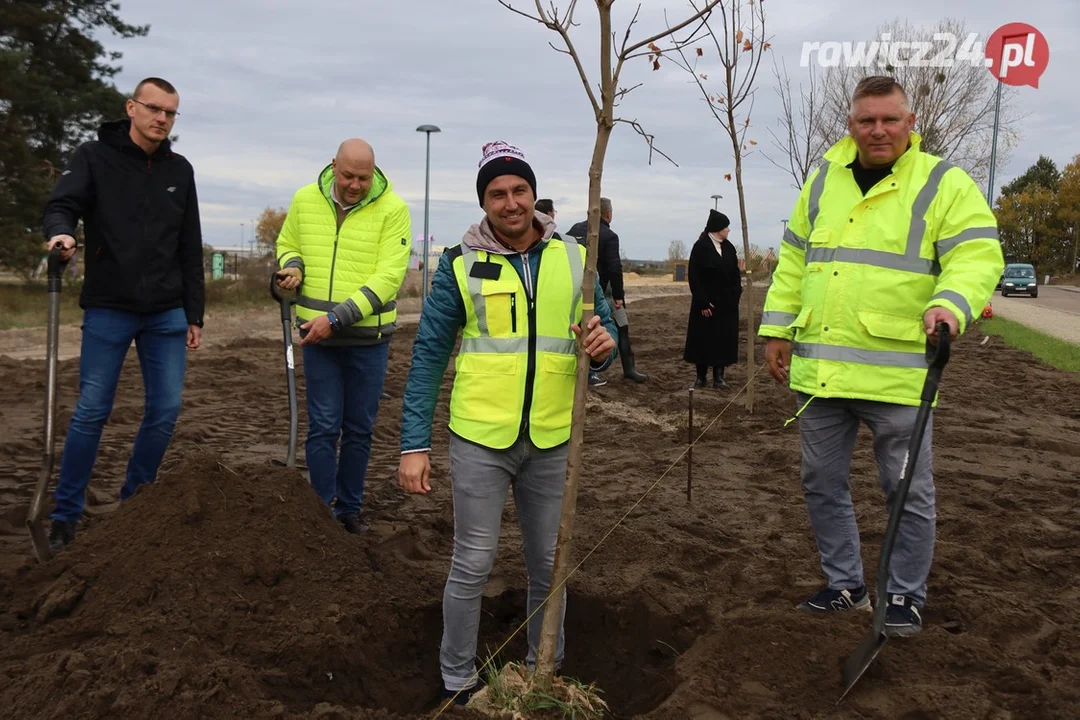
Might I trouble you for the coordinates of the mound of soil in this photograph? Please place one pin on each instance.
(211, 593)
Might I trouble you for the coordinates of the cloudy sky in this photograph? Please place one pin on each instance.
(269, 88)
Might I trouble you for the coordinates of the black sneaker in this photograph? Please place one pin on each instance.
(828, 600)
(353, 524)
(902, 618)
(462, 697)
(61, 535)
(596, 381)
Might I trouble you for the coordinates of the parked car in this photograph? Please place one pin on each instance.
(1019, 278)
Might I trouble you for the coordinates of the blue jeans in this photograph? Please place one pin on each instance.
(161, 342)
(343, 389)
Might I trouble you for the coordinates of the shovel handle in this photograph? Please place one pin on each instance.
(937, 355)
(284, 297)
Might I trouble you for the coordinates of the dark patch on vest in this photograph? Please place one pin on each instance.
(486, 270)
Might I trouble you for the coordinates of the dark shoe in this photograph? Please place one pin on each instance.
(902, 618)
(353, 524)
(462, 697)
(700, 382)
(61, 535)
(828, 600)
(719, 383)
(595, 380)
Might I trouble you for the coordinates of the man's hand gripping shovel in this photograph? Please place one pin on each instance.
(286, 299)
(856, 664)
(34, 518)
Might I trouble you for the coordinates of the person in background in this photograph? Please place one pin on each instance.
(143, 267)
(712, 332)
(345, 244)
(610, 271)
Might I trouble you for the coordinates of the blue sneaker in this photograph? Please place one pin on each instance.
(902, 618)
(828, 600)
(595, 380)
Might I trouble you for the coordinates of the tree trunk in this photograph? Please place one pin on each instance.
(553, 610)
(749, 291)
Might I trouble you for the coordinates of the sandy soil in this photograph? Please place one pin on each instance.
(225, 589)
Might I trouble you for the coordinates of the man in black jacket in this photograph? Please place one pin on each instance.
(143, 283)
(609, 271)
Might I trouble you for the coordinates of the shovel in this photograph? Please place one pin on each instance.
(285, 300)
(857, 663)
(38, 537)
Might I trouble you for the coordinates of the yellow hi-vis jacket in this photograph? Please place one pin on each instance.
(856, 274)
(353, 270)
(516, 368)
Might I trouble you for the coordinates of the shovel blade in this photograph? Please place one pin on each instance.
(860, 660)
(40, 540)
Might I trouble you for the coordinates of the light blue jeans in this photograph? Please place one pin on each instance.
(829, 427)
(481, 479)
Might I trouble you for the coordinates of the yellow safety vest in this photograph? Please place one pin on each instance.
(857, 273)
(517, 367)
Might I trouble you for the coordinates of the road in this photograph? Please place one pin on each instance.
(1055, 312)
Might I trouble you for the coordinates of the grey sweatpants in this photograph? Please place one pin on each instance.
(481, 479)
(828, 428)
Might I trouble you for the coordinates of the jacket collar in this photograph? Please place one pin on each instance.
(845, 151)
(379, 184)
(117, 134)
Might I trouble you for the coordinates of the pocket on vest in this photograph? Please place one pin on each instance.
(488, 387)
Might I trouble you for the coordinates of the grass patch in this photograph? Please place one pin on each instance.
(1052, 351)
(26, 304)
(509, 691)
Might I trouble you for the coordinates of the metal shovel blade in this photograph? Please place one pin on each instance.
(860, 660)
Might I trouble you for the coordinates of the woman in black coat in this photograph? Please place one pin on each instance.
(712, 333)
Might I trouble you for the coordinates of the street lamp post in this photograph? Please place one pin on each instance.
(716, 201)
(785, 225)
(427, 129)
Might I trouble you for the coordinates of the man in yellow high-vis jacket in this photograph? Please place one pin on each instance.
(886, 241)
(345, 244)
(512, 288)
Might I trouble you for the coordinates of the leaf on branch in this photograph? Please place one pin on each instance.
(727, 176)
(766, 46)
(655, 48)
(739, 36)
(703, 76)
(700, 52)
(747, 45)
(656, 65)
(753, 142)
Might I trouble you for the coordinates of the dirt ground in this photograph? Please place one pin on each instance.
(226, 590)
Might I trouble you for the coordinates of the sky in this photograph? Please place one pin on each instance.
(268, 90)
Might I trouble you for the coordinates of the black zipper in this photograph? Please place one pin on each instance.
(333, 261)
(530, 372)
(513, 313)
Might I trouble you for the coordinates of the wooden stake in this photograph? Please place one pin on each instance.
(690, 448)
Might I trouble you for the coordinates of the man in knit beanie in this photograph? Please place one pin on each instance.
(512, 288)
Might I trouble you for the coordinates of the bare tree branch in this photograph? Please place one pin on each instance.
(649, 138)
(700, 14)
(563, 28)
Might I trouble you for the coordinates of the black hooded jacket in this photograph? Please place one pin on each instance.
(140, 214)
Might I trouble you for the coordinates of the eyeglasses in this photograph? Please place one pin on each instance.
(155, 109)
